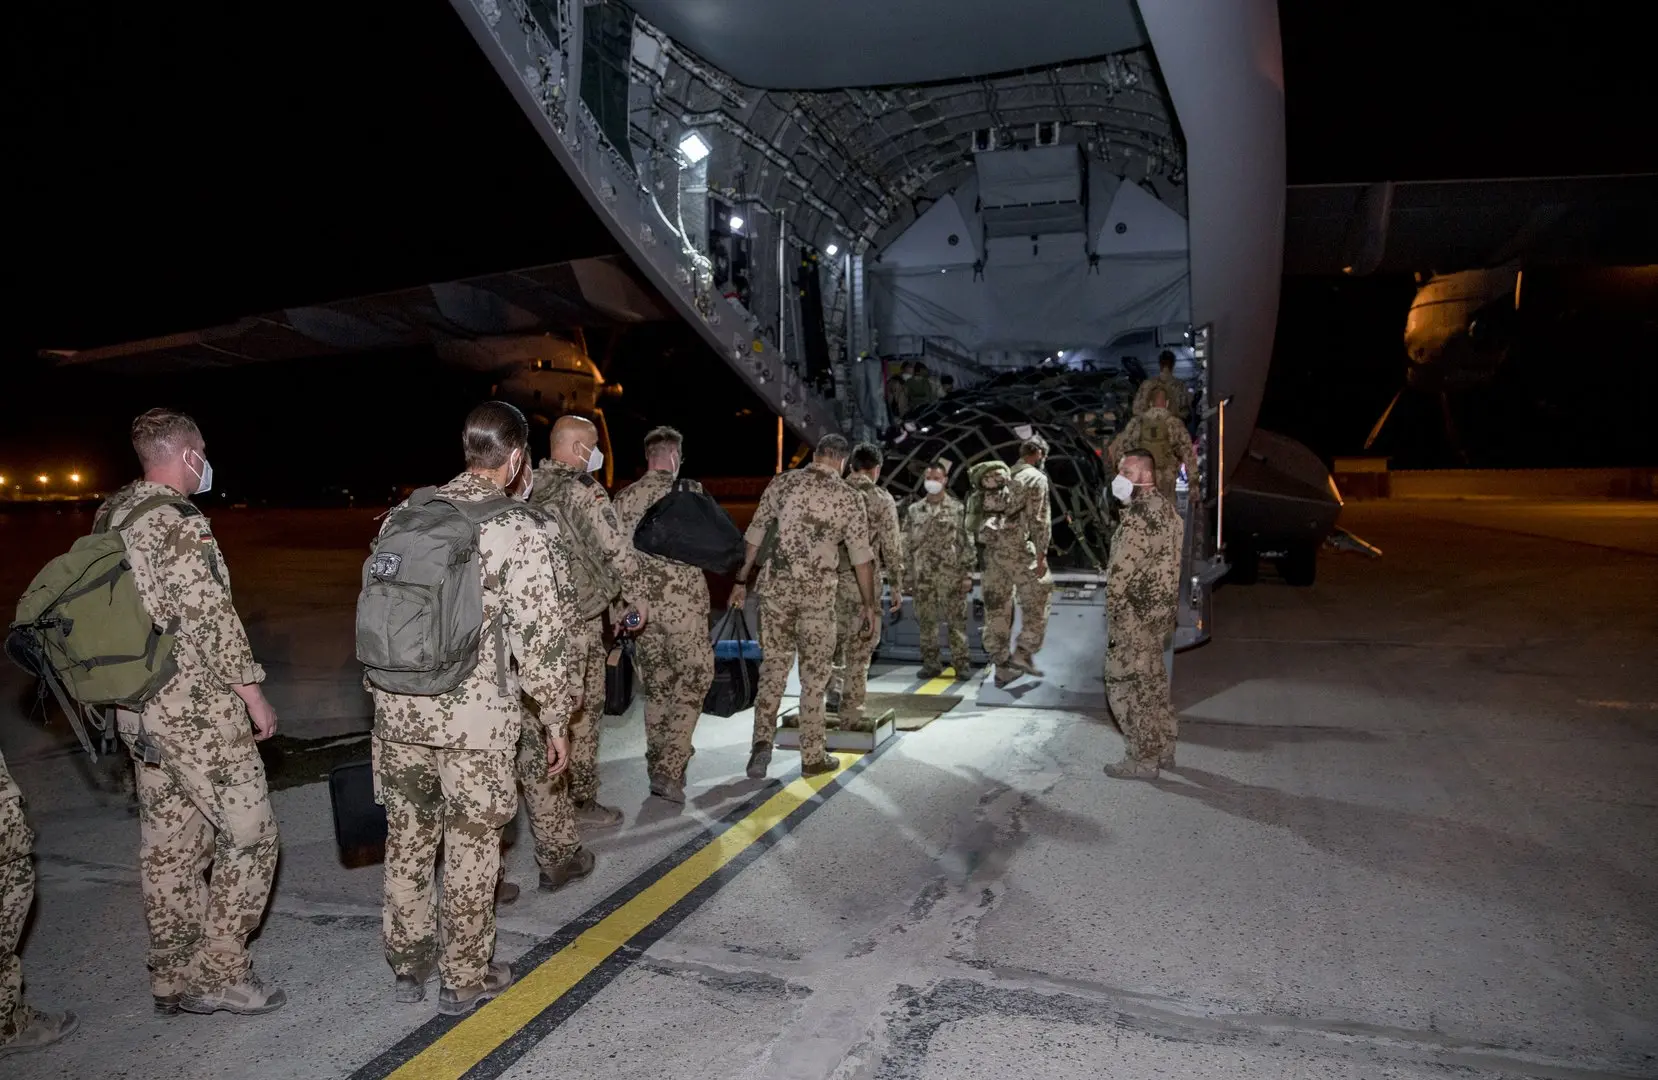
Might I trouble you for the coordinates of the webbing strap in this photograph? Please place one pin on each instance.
(72, 713)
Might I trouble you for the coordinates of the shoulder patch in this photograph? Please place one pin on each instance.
(587, 478)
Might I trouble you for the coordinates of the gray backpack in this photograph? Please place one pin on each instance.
(420, 615)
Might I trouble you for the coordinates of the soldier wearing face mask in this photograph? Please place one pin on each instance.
(941, 571)
(202, 801)
(676, 659)
(1142, 588)
(607, 576)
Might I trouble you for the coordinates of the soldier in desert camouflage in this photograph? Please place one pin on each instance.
(22, 1028)
(815, 513)
(1142, 583)
(1015, 546)
(676, 657)
(941, 557)
(444, 764)
(605, 569)
(558, 849)
(853, 649)
(1158, 431)
(204, 804)
(1177, 395)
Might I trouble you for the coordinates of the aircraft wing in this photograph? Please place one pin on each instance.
(582, 293)
(1443, 226)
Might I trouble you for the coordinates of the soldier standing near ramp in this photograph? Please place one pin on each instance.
(203, 806)
(443, 763)
(605, 566)
(1142, 583)
(1177, 393)
(21, 1027)
(1165, 437)
(1016, 568)
(814, 513)
(853, 647)
(676, 657)
(941, 571)
(558, 849)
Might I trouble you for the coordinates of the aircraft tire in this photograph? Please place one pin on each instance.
(1300, 566)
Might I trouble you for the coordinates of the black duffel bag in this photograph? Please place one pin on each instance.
(688, 526)
(736, 666)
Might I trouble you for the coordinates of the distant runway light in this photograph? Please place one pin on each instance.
(693, 147)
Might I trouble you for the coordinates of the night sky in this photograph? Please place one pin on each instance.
(176, 166)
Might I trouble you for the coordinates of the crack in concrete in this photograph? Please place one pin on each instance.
(918, 1015)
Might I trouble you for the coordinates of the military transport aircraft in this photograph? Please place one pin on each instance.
(1474, 245)
(812, 184)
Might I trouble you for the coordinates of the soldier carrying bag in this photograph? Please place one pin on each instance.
(81, 627)
(688, 526)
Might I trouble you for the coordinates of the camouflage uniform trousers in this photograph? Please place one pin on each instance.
(793, 622)
(547, 798)
(676, 666)
(1009, 577)
(1137, 688)
(17, 892)
(196, 820)
(940, 598)
(853, 651)
(587, 646)
(461, 799)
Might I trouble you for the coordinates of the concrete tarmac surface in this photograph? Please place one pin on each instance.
(1413, 832)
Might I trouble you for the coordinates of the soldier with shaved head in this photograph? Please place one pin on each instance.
(608, 581)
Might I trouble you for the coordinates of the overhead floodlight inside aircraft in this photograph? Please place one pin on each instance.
(693, 147)
(736, 222)
(833, 250)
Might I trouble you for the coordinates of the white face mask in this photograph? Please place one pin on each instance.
(595, 460)
(1122, 487)
(933, 486)
(528, 478)
(204, 475)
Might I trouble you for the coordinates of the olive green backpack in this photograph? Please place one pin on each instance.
(82, 629)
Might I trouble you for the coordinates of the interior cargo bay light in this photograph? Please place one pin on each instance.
(736, 223)
(693, 147)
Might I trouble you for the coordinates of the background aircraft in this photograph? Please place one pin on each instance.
(1493, 259)
(524, 331)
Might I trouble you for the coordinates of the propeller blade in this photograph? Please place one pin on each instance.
(1377, 430)
(1451, 427)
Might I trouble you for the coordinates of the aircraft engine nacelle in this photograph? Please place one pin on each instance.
(1460, 328)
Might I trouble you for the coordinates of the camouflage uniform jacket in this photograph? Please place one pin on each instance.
(1032, 519)
(935, 535)
(881, 515)
(523, 595)
(8, 786)
(1180, 395)
(664, 580)
(603, 561)
(182, 579)
(816, 512)
(1142, 576)
(1158, 431)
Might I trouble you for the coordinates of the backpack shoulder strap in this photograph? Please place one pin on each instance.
(186, 508)
(487, 509)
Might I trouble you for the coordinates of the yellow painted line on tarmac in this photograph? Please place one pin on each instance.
(476, 1037)
(938, 685)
